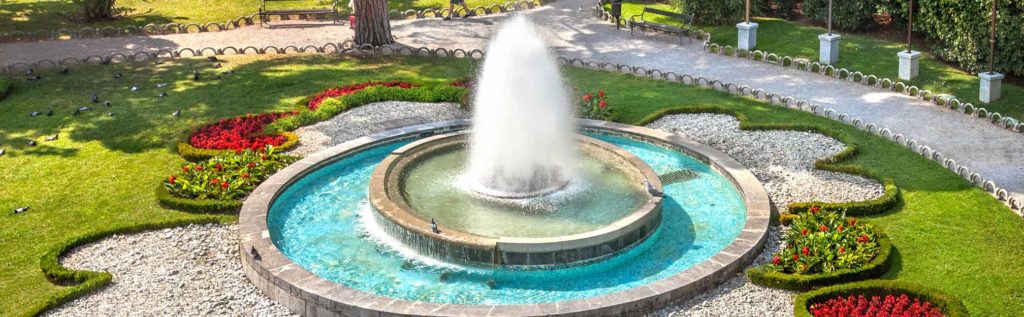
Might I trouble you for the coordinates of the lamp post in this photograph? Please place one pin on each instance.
(909, 59)
(991, 81)
(747, 32)
(828, 48)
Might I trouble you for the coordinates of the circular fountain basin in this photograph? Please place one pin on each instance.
(604, 210)
(309, 239)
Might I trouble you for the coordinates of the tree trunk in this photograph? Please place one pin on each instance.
(372, 24)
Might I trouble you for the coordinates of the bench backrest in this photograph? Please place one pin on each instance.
(684, 17)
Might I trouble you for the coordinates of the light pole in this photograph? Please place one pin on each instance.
(991, 81)
(828, 48)
(909, 59)
(747, 32)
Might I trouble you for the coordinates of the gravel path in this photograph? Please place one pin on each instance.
(195, 270)
(993, 152)
(187, 271)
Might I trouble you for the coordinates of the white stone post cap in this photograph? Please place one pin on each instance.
(911, 55)
(831, 38)
(746, 26)
(991, 76)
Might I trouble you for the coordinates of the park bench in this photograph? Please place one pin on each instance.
(685, 20)
(265, 13)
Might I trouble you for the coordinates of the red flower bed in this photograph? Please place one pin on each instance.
(315, 102)
(890, 306)
(464, 83)
(238, 133)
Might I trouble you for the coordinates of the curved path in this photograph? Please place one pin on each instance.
(573, 31)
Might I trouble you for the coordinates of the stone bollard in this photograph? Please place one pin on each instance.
(828, 50)
(991, 87)
(747, 35)
(909, 64)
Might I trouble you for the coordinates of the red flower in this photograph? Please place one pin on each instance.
(600, 93)
(803, 231)
(185, 169)
(815, 210)
(776, 260)
(602, 104)
(238, 133)
(263, 157)
(863, 239)
(199, 167)
(858, 305)
(218, 167)
(840, 228)
(171, 179)
(252, 164)
(842, 250)
(314, 103)
(853, 222)
(215, 181)
(245, 175)
(587, 98)
(823, 228)
(796, 257)
(224, 185)
(805, 251)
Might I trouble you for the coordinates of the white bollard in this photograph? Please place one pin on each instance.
(747, 35)
(991, 87)
(828, 50)
(909, 64)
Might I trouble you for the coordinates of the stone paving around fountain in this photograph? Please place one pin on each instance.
(149, 268)
(573, 31)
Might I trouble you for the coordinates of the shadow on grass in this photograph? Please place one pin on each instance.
(30, 16)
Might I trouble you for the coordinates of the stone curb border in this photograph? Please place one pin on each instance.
(304, 292)
(988, 185)
(349, 48)
(247, 20)
(939, 99)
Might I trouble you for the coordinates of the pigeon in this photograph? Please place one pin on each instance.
(134, 88)
(30, 71)
(158, 62)
(64, 71)
(86, 108)
(651, 190)
(35, 114)
(228, 72)
(22, 209)
(176, 113)
(212, 58)
(195, 75)
(162, 94)
(52, 137)
(255, 254)
(110, 114)
(217, 66)
(77, 112)
(107, 103)
(31, 143)
(34, 77)
(95, 98)
(49, 113)
(433, 226)
(161, 85)
(2, 151)
(118, 75)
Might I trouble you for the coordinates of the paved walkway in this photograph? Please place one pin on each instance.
(993, 152)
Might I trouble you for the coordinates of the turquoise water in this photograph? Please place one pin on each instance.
(324, 223)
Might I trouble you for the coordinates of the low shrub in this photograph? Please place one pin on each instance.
(5, 86)
(195, 205)
(868, 293)
(716, 12)
(330, 107)
(886, 202)
(226, 177)
(959, 33)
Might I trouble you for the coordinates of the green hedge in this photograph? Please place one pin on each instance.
(948, 304)
(5, 86)
(333, 106)
(195, 205)
(717, 12)
(847, 15)
(884, 203)
(802, 282)
(959, 33)
(82, 282)
(194, 154)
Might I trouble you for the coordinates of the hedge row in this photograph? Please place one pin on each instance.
(194, 154)
(803, 282)
(717, 12)
(884, 203)
(848, 15)
(5, 86)
(948, 304)
(86, 281)
(195, 205)
(334, 106)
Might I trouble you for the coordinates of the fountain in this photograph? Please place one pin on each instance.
(522, 207)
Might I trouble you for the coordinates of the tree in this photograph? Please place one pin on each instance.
(94, 10)
(372, 24)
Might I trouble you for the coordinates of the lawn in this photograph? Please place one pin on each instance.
(858, 53)
(33, 15)
(101, 173)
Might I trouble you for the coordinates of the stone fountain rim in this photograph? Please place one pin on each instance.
(306, 293)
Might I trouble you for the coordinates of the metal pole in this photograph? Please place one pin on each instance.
(829, 17)
(992, 40)
(748, 12)
(910, 27)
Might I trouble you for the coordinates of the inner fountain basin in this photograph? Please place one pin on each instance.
(605, 209)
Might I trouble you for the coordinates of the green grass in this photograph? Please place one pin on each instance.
(858, 53)
(32, 15)
(100, 175)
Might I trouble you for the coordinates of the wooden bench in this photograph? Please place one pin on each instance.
(685, 19)
(265, 13)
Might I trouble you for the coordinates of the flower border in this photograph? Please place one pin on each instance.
(948, 304)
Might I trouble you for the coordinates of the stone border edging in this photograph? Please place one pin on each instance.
(305, 292)
(349, 48)
(247, 20)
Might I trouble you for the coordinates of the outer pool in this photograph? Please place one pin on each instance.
(324, 223)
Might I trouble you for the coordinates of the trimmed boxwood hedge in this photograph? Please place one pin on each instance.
(195, 205)
(802, 282)
(5, 86)
(83, 282)
(948, 304)
(884, 203)
(194, 154)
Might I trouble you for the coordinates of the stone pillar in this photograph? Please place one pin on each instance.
(991, 87)
(828, 50)
(747, 35)
(909, 62)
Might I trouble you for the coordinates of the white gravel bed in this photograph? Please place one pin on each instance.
(369, 119)
(186, 271)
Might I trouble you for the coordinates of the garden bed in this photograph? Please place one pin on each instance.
(826, 300)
